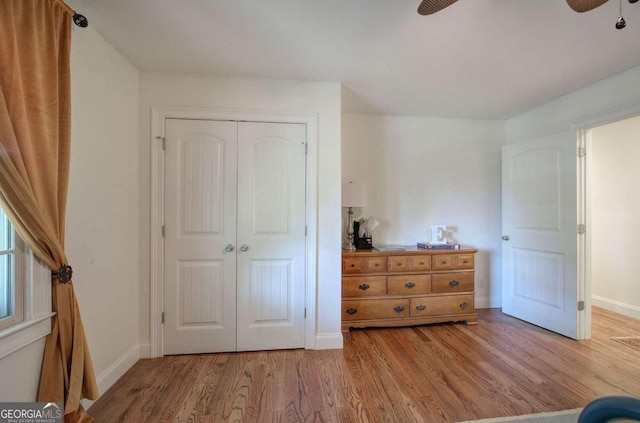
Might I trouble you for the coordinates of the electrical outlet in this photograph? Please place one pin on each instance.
(480, 283)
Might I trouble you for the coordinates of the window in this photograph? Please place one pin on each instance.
(25, 292)
(11, 289)
(6, 266)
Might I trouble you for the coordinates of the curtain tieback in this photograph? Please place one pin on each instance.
(63, 274)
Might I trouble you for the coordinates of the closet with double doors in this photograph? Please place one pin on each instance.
(234, 236)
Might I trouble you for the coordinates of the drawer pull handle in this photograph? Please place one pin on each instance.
(398, 264)
(353, 265)
(398, 309)
(444, 262)
(454, 283)
(422, 263)
(352, 311)
(409, 285)
(421, 307)
(464, 306)
(364, 286)
(464, 262)
(376, 265)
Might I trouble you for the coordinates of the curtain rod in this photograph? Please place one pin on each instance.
(80, 20)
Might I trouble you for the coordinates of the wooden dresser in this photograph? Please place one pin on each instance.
(412, 287)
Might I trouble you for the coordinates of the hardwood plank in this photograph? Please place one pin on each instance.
(229, 400)
(436, 373)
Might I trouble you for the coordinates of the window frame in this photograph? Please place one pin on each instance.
(16, 297)
(31, 290)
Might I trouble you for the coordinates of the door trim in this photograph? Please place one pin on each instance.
(159, 114)
(584, 246)
(582, 129)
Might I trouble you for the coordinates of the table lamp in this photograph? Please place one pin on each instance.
(353, 195)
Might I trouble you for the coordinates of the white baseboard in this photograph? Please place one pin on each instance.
(616, 306)
(488, 302)
(115, 371)
(145, 349)
(329, 341)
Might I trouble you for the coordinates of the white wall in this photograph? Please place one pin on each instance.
(20, 373)
(423, 171)
(102, 216)
(604, 98)
(262, 95)
(614, 183)
(102, 211)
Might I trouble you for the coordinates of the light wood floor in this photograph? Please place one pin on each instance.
(433, 373)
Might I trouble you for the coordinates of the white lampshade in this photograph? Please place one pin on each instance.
(354, 194)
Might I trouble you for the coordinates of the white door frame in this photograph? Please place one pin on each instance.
(582, 129)
(158, 116)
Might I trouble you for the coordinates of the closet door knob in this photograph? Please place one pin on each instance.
(244, 247)
(228, 248)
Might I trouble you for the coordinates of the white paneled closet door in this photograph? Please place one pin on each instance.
(234, 236)
(271, 235)
(200, 229)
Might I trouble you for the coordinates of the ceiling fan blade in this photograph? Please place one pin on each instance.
(429, 7)
(585, 5)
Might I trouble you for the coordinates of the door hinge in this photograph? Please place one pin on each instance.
(164, 142)
(163, 317)
(163, 231)
(305, 312)
(305, 230)
(306, 148)
(582, 229)
(580, 305)
(582, 151)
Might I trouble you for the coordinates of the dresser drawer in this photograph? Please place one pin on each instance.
(452, 282)
(465, 261)
(364, 264)
(429, 306)
(409, 284)
(452, 261)
(444, 262)
(409, 263)
(375, 309)
(364, 286)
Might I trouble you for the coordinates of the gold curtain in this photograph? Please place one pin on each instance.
(35, 138)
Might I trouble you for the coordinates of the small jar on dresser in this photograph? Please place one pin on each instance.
(410, 287)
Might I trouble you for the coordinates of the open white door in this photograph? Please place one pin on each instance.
(540, 240)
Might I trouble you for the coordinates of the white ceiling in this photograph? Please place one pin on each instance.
(477, 58)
